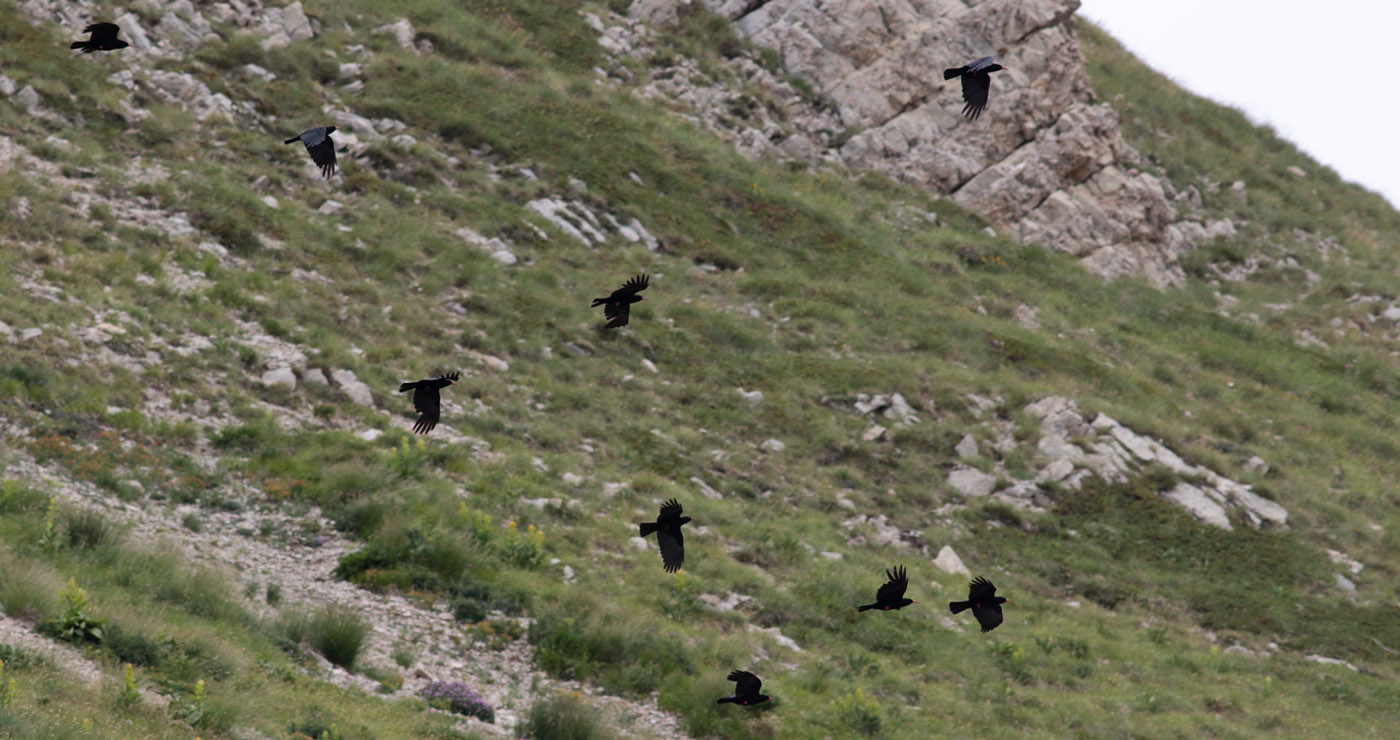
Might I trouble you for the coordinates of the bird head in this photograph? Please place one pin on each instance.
(329, 129)
(685, 520)
(995, 68)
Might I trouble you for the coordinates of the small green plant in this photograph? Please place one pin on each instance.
(193, 711)
(192, 522)
(74, 624)
(408, 459)
(403, 656)
(7, 688)
(48, 538)
(684, 597)
(87, 529)
(130, 694)
(563, 716)
(338, 634)
(274, 593)
(477, 522)
(858, 711)
(525, 549)
(497, 634)
(1012, 660)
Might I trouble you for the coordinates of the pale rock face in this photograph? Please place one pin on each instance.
(285, 26)
(281, 376)
(353, 387)
(971, 481)
(1044, 164)
(1113, 451)
(949, 562)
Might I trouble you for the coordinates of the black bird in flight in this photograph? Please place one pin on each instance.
(617, 305)
(746, 686)
(982, 599)
(103, 38)
(891, 595)
(668, 535)
(976, 82)
(426, 400)
(318, 141)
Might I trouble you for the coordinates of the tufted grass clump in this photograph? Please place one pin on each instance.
(563, 716)
(88, 529)
(27, 588)
(337, 633)
(858, 711)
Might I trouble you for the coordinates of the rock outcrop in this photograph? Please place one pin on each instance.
(1045, 163)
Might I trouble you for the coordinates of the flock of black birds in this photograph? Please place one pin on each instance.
(427, 399)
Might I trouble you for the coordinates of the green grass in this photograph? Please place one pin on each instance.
(563, 716)
(847, 300)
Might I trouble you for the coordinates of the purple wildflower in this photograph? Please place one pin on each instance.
(458, 698)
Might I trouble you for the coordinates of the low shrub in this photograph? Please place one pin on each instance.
(458, 698)
(338, 634)
(563, 716)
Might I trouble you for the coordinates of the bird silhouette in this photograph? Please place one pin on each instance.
(982, 599)
(891, 595)
(746, 686)
(103, 37)
(319, 143)
(426, 400)
(668, 535)
(976, 83)
(617, 306)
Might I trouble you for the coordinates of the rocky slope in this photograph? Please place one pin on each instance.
(1046, 163)
(839, 372)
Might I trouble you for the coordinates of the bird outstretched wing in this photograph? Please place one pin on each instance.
(988, 616)
(322, 151)
(617, 312)
(672, 544)
(102, 30)
(745, 683)
(670, 511)
(980, 63)
(893, 590)
(635, 285)
(980, 589)
(427, 402)
(975, 86)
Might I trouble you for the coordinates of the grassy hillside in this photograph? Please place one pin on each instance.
(810, 287)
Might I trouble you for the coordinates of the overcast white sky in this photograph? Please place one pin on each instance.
(1322, 74)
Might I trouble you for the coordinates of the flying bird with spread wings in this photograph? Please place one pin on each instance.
(426, 399)
(746, 688)
(976, 83)
(891, 595)
(617, 306)
(982, 599)
(668, 535)
(103, 37)
(319, 143)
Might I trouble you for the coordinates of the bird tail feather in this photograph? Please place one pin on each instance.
(292, 140)
(959, 606)
(727, 700)
(865, 608)
(598, 302)
(647, 528)
(949, 74)
(405, 387)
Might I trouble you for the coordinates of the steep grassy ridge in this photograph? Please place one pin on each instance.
(808, 286)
